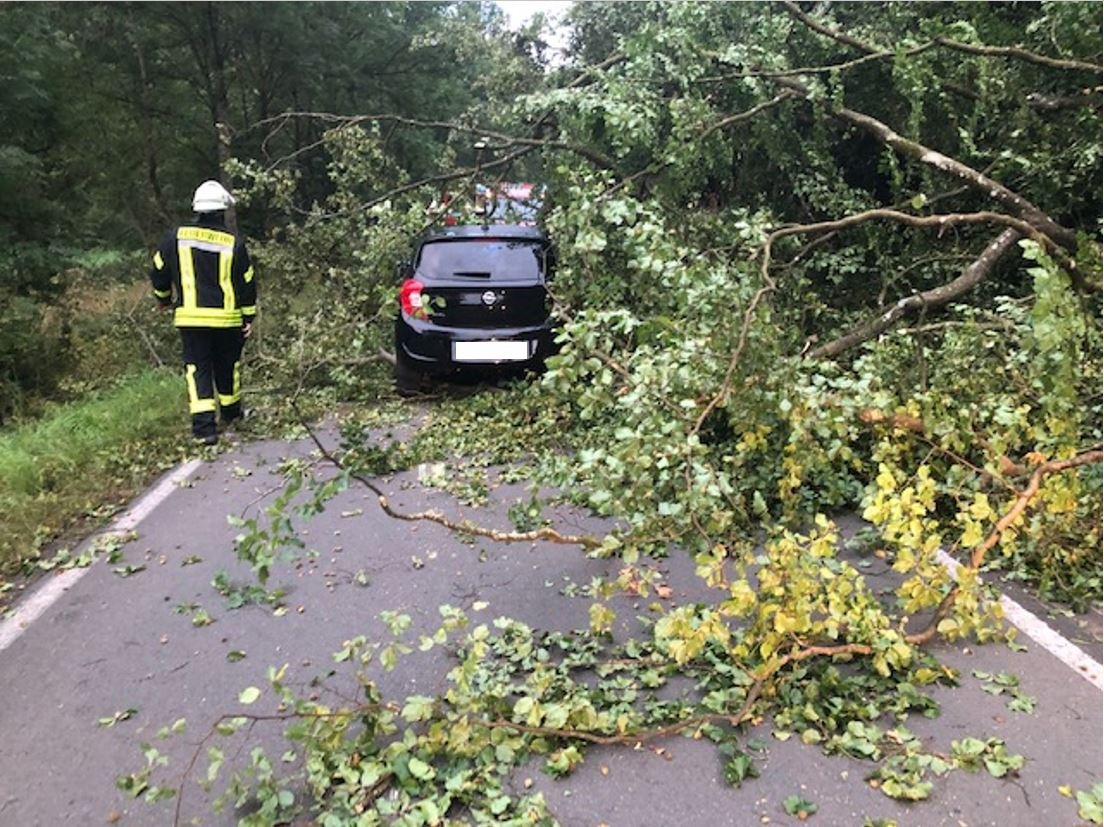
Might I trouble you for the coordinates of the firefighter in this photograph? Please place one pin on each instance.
(203, 272)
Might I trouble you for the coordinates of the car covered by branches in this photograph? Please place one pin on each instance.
(473, 299)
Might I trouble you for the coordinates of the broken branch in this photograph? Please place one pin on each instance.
(976, 180)
(545, 533)
(956, 45)
(1026, 496)
(1019, 54)
(936, 297)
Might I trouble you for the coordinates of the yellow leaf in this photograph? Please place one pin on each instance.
(980, 509)
(743, 597)
(784, 623)
(972, 535)
(885, 479)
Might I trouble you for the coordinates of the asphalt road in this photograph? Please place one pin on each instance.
(114, 643)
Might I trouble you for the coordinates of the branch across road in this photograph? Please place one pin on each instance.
(114, 643)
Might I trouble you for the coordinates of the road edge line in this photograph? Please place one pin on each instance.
(1040, 632)
(35, 604)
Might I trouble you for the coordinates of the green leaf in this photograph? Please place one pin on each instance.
(420, 769)
(249, 695)
(739, 768)
(797, 806)
(417, 708)
(122, 715)
(1090, 805)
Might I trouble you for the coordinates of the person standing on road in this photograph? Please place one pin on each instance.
(203, 272)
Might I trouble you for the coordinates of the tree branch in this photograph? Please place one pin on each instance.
(445, 177)
(977, 557)
(978, 270)
(739, 117)
(464, 526)
(507, 141)
(1051, 103)
(1094, 456)
(1020, 54)
(989, 51)
(820, 28)
(973, 178)
(645, 735)
(976, 180)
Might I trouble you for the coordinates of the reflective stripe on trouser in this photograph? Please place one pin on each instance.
(228, 381)
(212, 361)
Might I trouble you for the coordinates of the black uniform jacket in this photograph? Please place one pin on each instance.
(204, 272)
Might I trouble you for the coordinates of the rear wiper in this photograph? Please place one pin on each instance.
(472, 274)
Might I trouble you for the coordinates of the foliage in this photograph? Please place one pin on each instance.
(683, 404)
(517, 696)
(731, 189)
(83, 459)
(1090, 804)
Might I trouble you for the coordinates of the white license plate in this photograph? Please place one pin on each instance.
(490, 351)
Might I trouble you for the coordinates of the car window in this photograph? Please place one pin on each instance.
(481, 258)
(511, 210)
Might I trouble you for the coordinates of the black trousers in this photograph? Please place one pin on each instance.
(212, 368)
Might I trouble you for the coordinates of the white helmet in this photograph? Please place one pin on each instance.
(211, 196)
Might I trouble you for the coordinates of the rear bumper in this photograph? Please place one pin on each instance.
(428, 347)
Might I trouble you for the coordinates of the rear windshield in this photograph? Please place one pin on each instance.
(481, 258)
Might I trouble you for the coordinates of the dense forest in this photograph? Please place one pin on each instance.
(812, 257)
(114, 113)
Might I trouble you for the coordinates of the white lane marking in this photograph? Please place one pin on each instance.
(1041, 633)
(35, 604)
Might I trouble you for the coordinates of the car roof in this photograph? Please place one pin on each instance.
(484, 231)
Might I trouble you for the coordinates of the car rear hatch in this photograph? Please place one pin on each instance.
(486, 283)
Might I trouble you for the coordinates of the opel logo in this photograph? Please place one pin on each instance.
(490, 297)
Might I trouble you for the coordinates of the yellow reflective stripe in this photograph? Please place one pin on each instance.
(187, 276)
(206, 236)
(195, 404)
(251, 310)
(235, 391)
(207, 317)
(158, 262)
(162, 294)
(226, 283)
(248, 274)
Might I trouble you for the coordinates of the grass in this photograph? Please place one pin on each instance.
(78, 458)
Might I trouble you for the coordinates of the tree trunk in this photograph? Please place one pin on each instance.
(218, 101)
(937, 296)
(148, 135)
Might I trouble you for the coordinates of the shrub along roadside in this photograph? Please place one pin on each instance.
(77, 460)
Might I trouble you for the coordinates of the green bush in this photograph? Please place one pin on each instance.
(33, 356)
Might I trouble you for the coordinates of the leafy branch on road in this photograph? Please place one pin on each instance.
(464, 527)
(734, 251)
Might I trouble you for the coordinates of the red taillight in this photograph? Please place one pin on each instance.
(410, 298)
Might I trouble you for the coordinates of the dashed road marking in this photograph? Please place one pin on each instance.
(34, 605)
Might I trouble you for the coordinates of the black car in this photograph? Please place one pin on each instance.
(473, 300)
